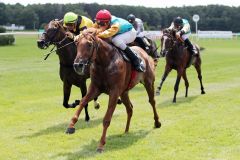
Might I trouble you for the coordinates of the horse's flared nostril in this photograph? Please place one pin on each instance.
(40, 44)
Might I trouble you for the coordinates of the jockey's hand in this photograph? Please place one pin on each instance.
(178, 35)
(70, 35)
(76, 38)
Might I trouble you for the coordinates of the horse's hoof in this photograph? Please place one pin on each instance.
(174, 101)
(157, 124)
(87, 119)
(157, 93)
(100, 150)
(97, 106)
(77, 102)
(203, 92)
(119, 101)
(66, 106)
(70, 131)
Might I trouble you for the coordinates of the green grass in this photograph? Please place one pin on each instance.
(200, 127)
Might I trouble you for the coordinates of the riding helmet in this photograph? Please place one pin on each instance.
(131, 18)
(103, 15)
(70, 17)
(178, 21)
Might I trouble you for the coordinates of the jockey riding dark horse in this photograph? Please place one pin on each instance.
(66, 50)
(141, 40)
(178, 57)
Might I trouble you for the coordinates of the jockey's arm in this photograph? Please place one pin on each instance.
(109, 32)
(140, 27)
(185, 28)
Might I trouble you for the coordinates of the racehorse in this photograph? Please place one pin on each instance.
(179, 58)
(66, 51)
(152, 51)
(112, 75)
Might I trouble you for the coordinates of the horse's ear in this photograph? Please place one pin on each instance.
(60, 22)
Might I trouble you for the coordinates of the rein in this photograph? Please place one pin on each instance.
(48, 54)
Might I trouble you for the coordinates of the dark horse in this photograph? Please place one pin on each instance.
(152, 51)
(178, 57)
(112, 75)
(55, 34)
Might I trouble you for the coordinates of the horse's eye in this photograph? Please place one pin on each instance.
(89, 44)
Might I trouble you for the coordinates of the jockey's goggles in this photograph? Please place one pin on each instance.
(70, 24)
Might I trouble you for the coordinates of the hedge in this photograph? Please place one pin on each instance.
(6, 40)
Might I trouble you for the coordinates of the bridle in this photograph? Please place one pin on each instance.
(94, 47)
(55, 43)
(174, 41)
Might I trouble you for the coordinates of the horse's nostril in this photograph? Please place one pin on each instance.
(75, 65)
(40, 43)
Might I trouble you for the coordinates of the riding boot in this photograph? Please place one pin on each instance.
(191, 48)
(141, 42)
(135, 60)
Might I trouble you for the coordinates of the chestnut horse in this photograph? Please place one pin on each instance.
(66, 51)
(112, 75)
(178, 58)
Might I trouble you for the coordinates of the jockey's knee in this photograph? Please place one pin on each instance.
(120, 44)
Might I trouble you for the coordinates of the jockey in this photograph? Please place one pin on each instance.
(138, 25)
(183, 30)
(121, 32)
(75, 24)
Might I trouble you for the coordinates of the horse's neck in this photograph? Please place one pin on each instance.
(68, 53)
(106, 53)
(176, 52)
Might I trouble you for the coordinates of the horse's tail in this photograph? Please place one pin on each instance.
(199, 48)
(202, 48)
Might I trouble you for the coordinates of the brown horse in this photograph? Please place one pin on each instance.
(66, 51)
(112, 75)
(179, 58)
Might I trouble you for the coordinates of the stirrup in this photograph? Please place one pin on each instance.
(140, 66)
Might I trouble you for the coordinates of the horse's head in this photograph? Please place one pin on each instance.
(87, 47)
(53, 34)
(168, 41)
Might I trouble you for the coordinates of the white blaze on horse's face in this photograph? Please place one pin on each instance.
(164, 42)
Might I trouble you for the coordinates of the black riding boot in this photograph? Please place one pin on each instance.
(134, 60)
(192, 49)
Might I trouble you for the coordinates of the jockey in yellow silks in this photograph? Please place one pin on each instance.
(75, 24)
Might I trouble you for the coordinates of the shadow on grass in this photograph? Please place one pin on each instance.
(113, 142)
(180, 101)
(81, 124)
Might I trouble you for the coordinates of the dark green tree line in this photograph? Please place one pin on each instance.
(212, 17)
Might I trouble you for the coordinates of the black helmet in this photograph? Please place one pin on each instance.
(131, 18)
(178, 21)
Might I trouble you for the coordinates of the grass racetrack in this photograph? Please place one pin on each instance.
(200, 127)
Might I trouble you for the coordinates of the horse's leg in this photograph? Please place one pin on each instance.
(186, 82)
(113, 98)
(83, 88)
(179, 74)
(129, 108)
(197, 66)
(149, 85)
(96, 103)
(165, 74)
(91, 94)
(66, 94)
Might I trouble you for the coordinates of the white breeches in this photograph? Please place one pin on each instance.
(123, 39)
(185, 36)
